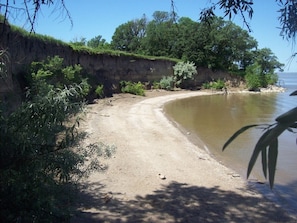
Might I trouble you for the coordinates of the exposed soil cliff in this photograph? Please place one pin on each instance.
(106, 69)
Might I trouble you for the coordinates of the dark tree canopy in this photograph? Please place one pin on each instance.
(128, 36)
(216, 44)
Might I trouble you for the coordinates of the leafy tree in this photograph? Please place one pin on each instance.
(189, 41)
(225, 44)
(161, 17)
(161, 35)
(240, 45)
(216, 44)
(128, 37)
(82, 41)
(267, 60)
(97, 43)
(261, 72)
(254, 77)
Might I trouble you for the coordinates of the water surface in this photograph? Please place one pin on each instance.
(213, 119)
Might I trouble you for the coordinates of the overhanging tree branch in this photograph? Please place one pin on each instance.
(32, 8)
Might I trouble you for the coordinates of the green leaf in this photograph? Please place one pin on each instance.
(236, 134)
(275, 132)
(258, 148)
(265, 140)
(272, 160)
(264, 161)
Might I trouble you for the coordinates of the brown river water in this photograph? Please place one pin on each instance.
(211, 120)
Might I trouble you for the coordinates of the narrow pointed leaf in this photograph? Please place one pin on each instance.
(265, 140)
(258, 148)
(264, 161)
(236, 134)
(272, 160)
(275, 132)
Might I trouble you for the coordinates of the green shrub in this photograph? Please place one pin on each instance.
(54, 73)
(4, 61)
(217, 85)
(100, 91)
(206, 85)
(132, 88)
(253, 77)
(167, 83)
(156, 85)
(184, 71)
(271, 78)
(256, 78)
(85, 87)
(41, 158)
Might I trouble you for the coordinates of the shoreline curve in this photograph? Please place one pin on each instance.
(196, 186)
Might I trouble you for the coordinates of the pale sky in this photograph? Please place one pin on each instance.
(101, 17)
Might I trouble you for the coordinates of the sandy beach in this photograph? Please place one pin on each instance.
(157, 174)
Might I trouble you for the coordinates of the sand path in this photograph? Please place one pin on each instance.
(197, 188)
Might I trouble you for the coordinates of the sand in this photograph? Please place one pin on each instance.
(157, 174)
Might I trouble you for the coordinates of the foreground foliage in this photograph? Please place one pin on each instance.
(267, 144)
(41, 158)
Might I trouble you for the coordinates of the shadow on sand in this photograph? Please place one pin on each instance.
(177, 202)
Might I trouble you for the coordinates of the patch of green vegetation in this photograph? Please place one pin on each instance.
(216, 85)
(132, 88)
(184, 71)
(54, 73)
(156, 85)
(100, 91)
(41, 157)
(167, 83)
(118, 53)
